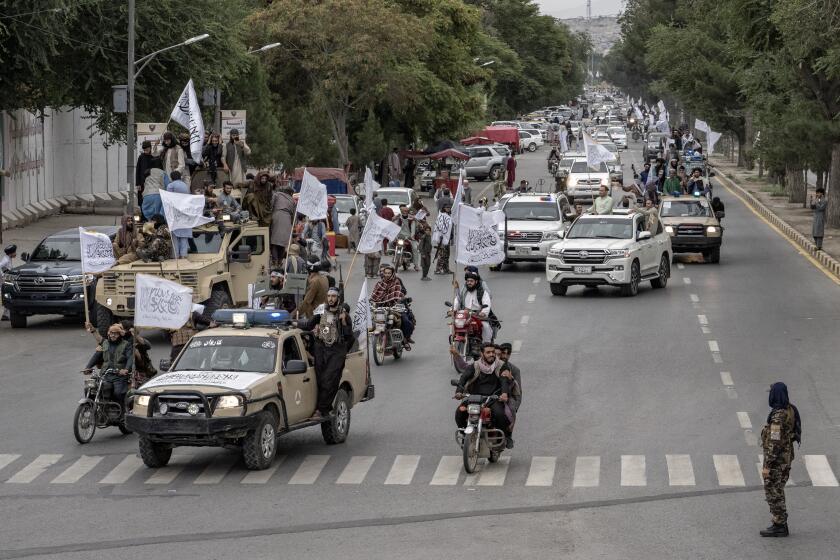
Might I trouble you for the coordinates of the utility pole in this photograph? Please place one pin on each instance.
(130, 137)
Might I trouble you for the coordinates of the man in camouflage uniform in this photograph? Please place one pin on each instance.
(782, 429)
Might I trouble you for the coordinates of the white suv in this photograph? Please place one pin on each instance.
(533, 223)
(612, 249)
(583, 182)
(530, 139)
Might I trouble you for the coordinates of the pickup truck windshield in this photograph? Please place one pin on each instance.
(58, 249)
(545, 211)
(604, 228)
(582, 167)
(684, 208)
(394, 198)
(343, 204)
(228, 353)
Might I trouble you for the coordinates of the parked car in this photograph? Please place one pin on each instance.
(50, 281)
(486, 162)
(530, 140)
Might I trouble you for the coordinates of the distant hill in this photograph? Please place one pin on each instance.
(605, 30)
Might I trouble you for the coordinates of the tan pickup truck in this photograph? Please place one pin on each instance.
(244, 386)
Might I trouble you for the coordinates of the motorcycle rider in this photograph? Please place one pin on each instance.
(408, 232)
(116, 353)
(474, 297)
(390, 290)
(485, 378)
(514, 378)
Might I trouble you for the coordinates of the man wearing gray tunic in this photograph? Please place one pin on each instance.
(818, 205)
(282, 214)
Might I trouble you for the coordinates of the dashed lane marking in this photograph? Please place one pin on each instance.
(7, 459)
(525, 319)
(726, 378)
(680, 470)
(538, 279)
(34, 469)
(713, 346)
(744, 420)
(728, 470)
(542, 471)
(680, 266)
(633, 470)
(694, 298)
(703, 320)
(310, 469)
(448, 471)
(168, 474)
(261, 477)
(587, 472)
(532, 298)
(217, 470)
(124, 471)
(356, 470)
(819, 470)
(403, 469)
(77, 470)
(687, 280)
(517, 345)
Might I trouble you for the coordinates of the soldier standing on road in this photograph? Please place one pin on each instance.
(818, 205)
(424, 246)
(782, 429)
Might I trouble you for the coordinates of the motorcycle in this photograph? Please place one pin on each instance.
(387, 337)
(466, 335)
(402, 254)
(479, 439)
(96, 410)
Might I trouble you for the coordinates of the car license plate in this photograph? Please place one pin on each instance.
(583, 270)
(523, 250)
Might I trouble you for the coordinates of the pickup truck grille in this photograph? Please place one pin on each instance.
(177, 404)
(524, 236)
(40, 284)
(691, 230)
(589, 182)
(122, 283)
(594, 256)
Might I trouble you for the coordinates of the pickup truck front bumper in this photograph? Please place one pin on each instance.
(694, 244)
(191, 430)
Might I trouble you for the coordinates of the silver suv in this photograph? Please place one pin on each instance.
(615, 250)
(486, 162)
(533, 223)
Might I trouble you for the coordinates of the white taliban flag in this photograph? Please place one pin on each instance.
(362, 320)
(478, 237)
(371, 187)
(564, 142)
(161, 303)
(377, 229)
(312, 201)
(595, 153)
(183, 211)
(187, 113)
(701, 125)
(661, 106)
(712, 139)
(97, 251)
(459, 195)
(638, 113)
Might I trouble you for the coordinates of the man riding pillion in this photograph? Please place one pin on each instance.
(474, 297)
(408, 231)
(388, 291)
(485, 378)
(116, 355)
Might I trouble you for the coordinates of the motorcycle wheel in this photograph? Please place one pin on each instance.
(397, 258)
(397, 351)
(470, 453)
(379, 349)
(84, 424)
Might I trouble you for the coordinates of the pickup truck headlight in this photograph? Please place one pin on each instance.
(669, 230)
(551, 236)
(142, 400)
(229, 401)
(571, 182)
(712, 229)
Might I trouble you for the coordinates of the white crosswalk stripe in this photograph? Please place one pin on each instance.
(587, 472)
(633, 470)
(683, 470)
(356, 470)
(403, 469)
(310, 469)
(34, 469)
(77, 470)
(124, 471)
(680, 470)
(542, 471)
(728, 470)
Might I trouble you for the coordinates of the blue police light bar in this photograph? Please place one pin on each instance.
(253, 317)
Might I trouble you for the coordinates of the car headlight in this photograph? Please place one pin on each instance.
(712, 229)
(551, 236)
(75, 280)
(621, 253)
(142, 400)
(669, 230)
(572, 182)
(229, 401)
(556, 253)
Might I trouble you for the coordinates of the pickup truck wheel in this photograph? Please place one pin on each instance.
(336, 430)
(259, 446)
(631, 289)
(154, 455)
(532, 147)
(558, 289)
(713, 255)
(495, 173)
(103, 319)
(219, 299)
(497, 267)
(664, 271)
(18, 320)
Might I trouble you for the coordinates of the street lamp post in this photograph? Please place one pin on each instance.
(132, 76)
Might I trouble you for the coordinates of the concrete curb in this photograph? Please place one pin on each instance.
(831, 264)
(110, 204)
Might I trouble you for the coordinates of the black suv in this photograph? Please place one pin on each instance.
(50, 280)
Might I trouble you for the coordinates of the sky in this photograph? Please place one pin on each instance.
(577, 8)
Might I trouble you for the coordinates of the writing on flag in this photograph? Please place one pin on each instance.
(362, 320)
(376, 229)
(187, 113)
(371, 187)
(183, 211)
(312, 201)
(161, 303)
(97, 251)
(478, 237)
(595, 153)
(442, 232)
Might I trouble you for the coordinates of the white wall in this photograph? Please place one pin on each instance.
(62, 155)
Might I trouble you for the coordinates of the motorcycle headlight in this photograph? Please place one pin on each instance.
(229, 401)
(460, 322)
(473, 409)
(669, 230)
(142, 400)
(400, 242)
(91, 383)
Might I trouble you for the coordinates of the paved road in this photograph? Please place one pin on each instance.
(636, 439)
